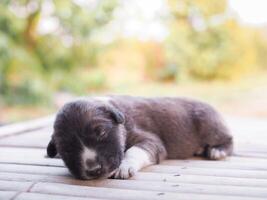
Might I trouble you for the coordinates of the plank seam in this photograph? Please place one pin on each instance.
(27, 126)
(30, 164)
(16, 195)
(28, 190)
(21, 146)
(31, 186)
(134, 180)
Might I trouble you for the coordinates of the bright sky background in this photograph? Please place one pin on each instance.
(142, 18)
(251, 12)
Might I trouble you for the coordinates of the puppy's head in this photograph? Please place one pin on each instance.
(89, 137)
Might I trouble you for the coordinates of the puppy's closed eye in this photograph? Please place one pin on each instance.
(100, 133)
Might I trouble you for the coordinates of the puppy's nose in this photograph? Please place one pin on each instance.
(93, 169)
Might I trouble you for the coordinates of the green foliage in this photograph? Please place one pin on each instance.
(33, 63)
(205, 43)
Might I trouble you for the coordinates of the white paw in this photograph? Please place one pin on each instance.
(217, 154)
(126, 170)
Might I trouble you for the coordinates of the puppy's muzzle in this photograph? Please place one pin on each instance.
(93, 169)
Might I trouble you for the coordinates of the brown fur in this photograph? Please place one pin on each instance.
(175, 128)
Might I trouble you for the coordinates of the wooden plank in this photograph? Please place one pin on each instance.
(34, 169)
(248, 132)
(241, 125)
(250, 147)
(33, 139)
(121, 194)
(23, 152)
(236, 159)
(198, 179)
(14, 186)
(7, 195)
(240, 177)
(231, 159)
(27, 156)
(248, 141)
(251, 154)
(42, 161)
(155, 168)
(143, 176)
(216, 164)
(206, 171)
(38, 157)
(38, 196)
(21, 127)
(141, 185)
(37, 161)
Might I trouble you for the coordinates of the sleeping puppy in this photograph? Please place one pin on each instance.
(118, 135)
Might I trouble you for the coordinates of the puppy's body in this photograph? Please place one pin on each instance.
(153, 129)
(183, 126)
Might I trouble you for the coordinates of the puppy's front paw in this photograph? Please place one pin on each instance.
(126, 170)
(217, 154)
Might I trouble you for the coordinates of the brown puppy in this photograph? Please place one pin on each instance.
(119, 135)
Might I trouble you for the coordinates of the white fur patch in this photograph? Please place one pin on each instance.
(88, 154)
(217, 154)
(135, 159)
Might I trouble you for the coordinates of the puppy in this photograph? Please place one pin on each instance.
(118, 135)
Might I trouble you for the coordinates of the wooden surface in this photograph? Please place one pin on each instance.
(26, 173)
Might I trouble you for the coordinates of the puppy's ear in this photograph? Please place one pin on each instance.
(51, 149)
(115, 114)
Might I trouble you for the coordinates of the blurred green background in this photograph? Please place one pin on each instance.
(52, 50)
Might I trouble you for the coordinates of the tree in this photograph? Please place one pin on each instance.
(34, 63)
(205, 42)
